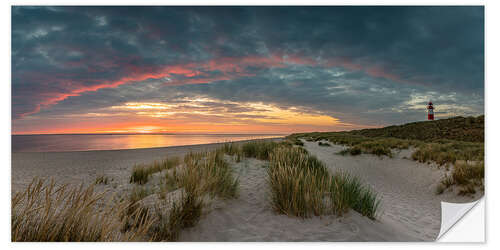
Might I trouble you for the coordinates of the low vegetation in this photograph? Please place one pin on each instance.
(468, 129)
(184, 214)
(201, 175)
(46, 212)
(446, 142)
(299, 183)
(141, 172)
(347, 192)
(102, 180)
(448, 152)
(259, 149)
(208, 173)
(466, 175)
(358, 144)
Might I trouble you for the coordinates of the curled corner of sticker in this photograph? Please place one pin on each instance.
(451, 213)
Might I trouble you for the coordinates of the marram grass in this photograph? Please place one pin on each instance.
(301, 186)
(141, 172)
(208, 173)
(47, 212)
(184, 214)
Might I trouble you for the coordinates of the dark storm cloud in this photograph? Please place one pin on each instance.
(338, 60)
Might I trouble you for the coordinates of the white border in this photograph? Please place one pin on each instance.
(492, 136)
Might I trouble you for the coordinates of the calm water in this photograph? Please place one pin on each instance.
(56, 143)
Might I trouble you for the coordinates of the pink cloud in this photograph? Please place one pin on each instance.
(190, 73)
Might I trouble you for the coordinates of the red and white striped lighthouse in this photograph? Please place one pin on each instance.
(430, 112)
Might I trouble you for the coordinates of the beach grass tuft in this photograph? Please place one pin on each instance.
(259, 149)
(300, 182)
(141, 172)
(184, 214)
(445, 142)
(47, 212)
(346, 192)
(208, 172)
(102, 180)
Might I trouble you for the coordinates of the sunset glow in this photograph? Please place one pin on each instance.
(241, 69)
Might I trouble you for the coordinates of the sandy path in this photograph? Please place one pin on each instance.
(411, 211)
(251, 218)
(407, 188)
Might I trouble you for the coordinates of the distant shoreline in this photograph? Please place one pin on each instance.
(146, 134)
(47, 145)
(203, 145)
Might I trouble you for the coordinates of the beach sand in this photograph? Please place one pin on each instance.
(410, 209)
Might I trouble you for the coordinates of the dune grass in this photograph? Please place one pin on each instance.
(346, 192)
(141, 172)
(358, 144)
(233, 150)
(208, 173)
(297, 141)
(102, 180)
(300, 183)
(468, 129)
(446, 142)
(259, 149)
(168, 183)
(184, 214)
(448, 152)
(201, 174)
(205, 173)
(466, 175)
(47, 212)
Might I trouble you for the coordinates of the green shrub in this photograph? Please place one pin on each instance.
(355, 150)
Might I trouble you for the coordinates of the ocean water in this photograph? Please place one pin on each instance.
(85, 142)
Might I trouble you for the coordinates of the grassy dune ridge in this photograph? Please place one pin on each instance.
(456, 143)
(300, 185)
(469, 129)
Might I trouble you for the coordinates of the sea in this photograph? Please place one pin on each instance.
(87, 142)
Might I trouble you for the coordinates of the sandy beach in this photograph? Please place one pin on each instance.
(410, 208)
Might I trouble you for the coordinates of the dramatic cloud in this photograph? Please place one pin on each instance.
(346, 66)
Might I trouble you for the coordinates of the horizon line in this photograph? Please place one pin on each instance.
(155, 133)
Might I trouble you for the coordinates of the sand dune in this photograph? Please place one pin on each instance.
(407, 188)
(251, 218)
(410, 209)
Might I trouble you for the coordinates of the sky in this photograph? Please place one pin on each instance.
(242, 69)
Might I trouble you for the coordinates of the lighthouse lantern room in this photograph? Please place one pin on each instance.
(430, 112)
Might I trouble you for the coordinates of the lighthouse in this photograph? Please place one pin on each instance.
(430, 112)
